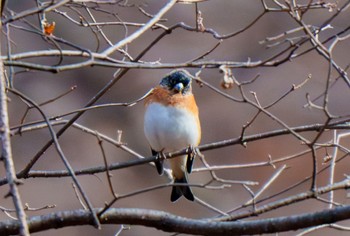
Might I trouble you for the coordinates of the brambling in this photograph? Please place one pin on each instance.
(171, 123)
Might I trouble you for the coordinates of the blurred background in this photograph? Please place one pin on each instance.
(220, 117)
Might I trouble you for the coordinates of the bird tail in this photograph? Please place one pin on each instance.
(184, 190)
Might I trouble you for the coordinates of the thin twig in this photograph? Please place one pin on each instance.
(108, 174)
(140, 31)
(266, 185)
(61, 154)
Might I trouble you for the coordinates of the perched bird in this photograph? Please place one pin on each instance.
(171, 123)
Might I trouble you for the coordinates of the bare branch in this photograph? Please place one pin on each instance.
(6, 155)
(255, 118)
(137, 34)
(170, 223)
(61, 154)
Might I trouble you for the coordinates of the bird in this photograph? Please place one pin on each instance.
(171, 123)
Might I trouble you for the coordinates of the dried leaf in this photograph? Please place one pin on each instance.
(49, 28)
(227, 81)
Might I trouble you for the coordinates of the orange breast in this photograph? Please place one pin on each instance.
(165, 97)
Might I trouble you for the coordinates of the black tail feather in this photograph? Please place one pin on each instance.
(178, 191)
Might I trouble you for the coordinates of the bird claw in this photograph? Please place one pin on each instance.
(159, 162)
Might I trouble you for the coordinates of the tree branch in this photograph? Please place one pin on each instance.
(341, 124)
(140, 31)
(172, 223)
(6, 155)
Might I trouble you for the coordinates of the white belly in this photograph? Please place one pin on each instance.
(170, 128)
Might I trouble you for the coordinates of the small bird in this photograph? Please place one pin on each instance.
(171, 123)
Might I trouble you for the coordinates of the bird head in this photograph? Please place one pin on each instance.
(177, 81)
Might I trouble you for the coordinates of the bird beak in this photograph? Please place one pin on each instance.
(179, 87)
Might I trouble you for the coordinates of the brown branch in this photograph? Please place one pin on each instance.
(275, 205)
(341, 124)
(140, 31)
(172, 223)
(6, 155)
(48, 7)
(108, 174)
(61, 154)
(345, 184)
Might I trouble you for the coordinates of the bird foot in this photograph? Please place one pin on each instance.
(192, 153)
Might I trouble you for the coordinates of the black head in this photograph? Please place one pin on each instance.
(178, 81)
